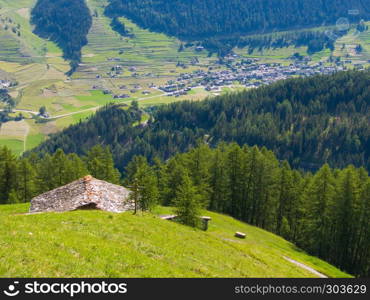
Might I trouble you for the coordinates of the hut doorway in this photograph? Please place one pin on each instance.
(90, 206)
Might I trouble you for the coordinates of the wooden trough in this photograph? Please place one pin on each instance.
(168, 217)
(240, 235)
(204, 219)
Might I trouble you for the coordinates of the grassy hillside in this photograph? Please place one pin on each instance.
(100, 244)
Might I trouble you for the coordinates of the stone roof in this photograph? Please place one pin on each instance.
(86, 192)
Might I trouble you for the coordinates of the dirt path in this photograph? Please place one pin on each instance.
(303, 266)
(18, 130)
(26, 132)
(24, 110)
(80, 111)
(97, 107)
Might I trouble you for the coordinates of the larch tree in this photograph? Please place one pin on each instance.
(320, 196)
(187, 202)
(26, 177)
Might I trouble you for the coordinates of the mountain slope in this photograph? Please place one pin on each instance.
(100, 244)
(38, 66)
(194, 19)
(306, 121)
(66, 23)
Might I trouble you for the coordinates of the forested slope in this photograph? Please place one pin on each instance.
(64, 22)
(309, 122)
(194, 19)
(326, 214)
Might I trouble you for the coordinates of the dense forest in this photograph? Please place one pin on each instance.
(229, 19)
(326, 213)
(315, 41)
(64, 22)
(21, 179)
(120, 27)
(306, 121)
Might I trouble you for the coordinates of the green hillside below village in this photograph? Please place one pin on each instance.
(147, 66)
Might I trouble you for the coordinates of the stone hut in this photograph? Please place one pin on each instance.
(85, 193)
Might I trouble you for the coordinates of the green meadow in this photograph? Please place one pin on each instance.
(15, 144)
(102, 244)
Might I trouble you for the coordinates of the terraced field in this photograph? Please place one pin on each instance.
(346, 47)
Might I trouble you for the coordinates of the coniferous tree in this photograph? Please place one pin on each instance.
(110, 173)
(320, 196)
(94, 162)
(135, 194)
(149, 190)
(297, 209)
(78, 168)
(251, 195)
(199, 165)
(142, 178)
(175, 169)
(13, 197)
(26, 177)
(137, 163)
(162, 180)
(61, 169)
(361, 255)
(284, 201)
(45, 174)
(8, 175)
(220, 195)
(267, 185)
(235, 163)
(347, 197)
(100, 164)
(187, 202)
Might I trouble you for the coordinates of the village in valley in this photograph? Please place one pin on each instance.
(233, 72)
(248, 73)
